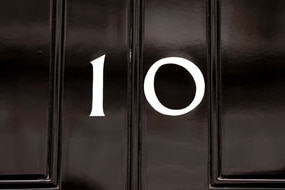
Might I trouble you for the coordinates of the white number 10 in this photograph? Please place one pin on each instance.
(97, 93)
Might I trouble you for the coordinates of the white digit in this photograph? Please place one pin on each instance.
(191, 68)
(97, 92)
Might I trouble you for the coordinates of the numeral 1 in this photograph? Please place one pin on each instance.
(98, 85)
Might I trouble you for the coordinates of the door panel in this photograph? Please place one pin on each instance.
(250, 93)
(174, 148)
(28, 99)
(96, 147)
(24, 86)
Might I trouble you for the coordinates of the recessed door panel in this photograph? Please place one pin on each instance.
(96, 146)
(250, 91)
(174, 148)
(24, 88)
(28, 97)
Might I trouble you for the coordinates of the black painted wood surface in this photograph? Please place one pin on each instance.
(232, 140)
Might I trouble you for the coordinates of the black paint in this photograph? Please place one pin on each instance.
(249, 125)
(232, 140)
(96, 147)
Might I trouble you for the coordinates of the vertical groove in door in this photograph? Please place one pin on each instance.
(130, 98)
(135, 94)
(210, 89)
(56, 83)
(60, 47)
(214, 77)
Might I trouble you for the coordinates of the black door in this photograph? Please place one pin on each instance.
(142, 94)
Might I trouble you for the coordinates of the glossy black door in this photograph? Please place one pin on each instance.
(232, 140)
